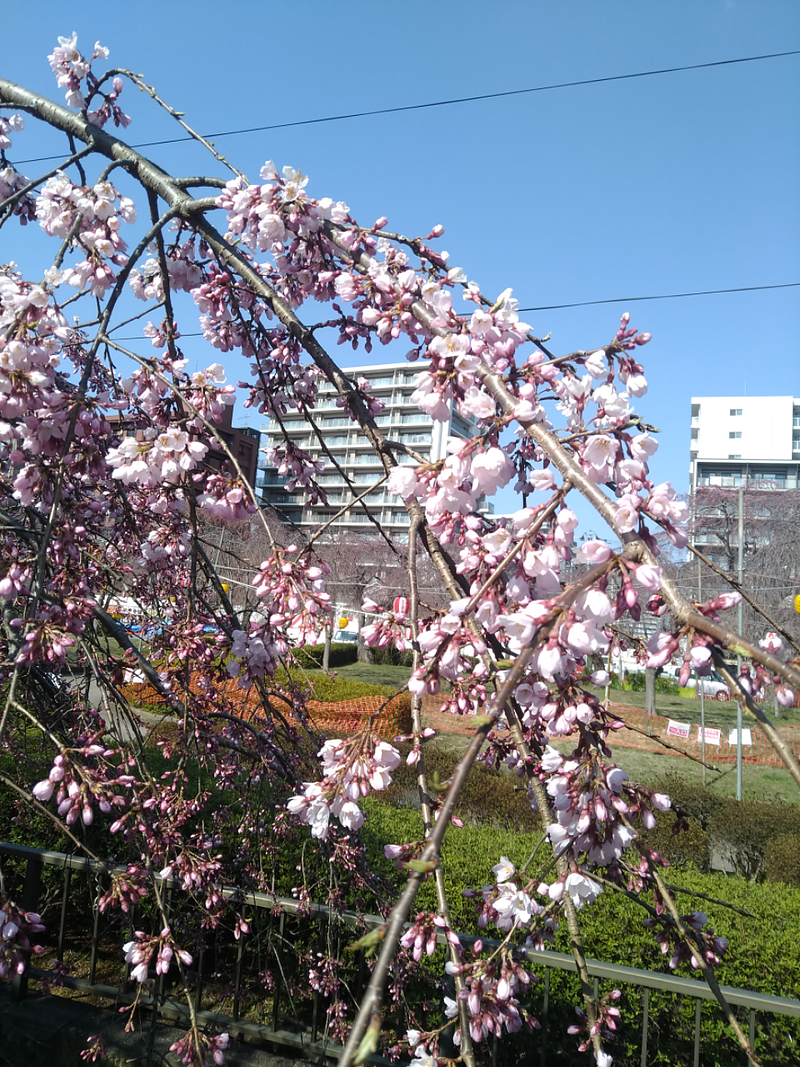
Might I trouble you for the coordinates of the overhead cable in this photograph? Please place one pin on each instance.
(452, 100)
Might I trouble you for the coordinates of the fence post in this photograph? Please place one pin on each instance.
(31, 888)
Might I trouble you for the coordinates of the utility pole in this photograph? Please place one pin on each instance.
(739, 658)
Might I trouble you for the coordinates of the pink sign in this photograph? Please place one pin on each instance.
(679, 729)
(712, 736)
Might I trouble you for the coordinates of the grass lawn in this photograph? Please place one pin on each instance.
(758, 783)
(771, 784)
(377, 674)
(687, 709)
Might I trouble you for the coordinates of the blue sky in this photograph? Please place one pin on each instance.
(665, 184)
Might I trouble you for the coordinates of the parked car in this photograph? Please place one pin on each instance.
(713, 685)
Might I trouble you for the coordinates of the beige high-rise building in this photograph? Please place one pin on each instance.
(401, 420)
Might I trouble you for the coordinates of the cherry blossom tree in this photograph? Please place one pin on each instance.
(105, 492)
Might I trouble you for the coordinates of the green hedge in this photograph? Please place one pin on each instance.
(764, 953)
(665, 686)
(310, 656)
(752, 835)
(326, 688)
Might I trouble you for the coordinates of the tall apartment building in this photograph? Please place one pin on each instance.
(739, 440)
(401, 420)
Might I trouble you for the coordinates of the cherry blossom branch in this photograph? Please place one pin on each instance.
(700, 962)
(442, 902)
(139, 82)
(775, 738)
(735, 584)
(44, 810)
(68, 162)
(370, 1005)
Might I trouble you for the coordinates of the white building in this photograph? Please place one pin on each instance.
(401, 420)
(738, 440)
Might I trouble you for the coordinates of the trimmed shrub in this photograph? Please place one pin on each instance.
(740, 830)
(664, 686)
(782, 859)
(680, 847)
(764, 952)
(490, 798)
(310, 656)
(330, 690)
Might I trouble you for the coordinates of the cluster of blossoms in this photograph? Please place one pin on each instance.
(390, 630)
(50, 634)
(421, 936)
(491, 991)
(351, 770)
(772, 643)
(704, 940)
(15, 927)
(91, 219)
(140, 951)
(256, 653)
(605, 1023)
(12, 124)
(589, 803)
(71, 69)
(295, 592)
(504, 904)
(78, 787)
(201, 1050)
(156, 457)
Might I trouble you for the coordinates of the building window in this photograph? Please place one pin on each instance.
(736, 456)
(695, 434)
(695, 411)
(735, 434)
(736, 411)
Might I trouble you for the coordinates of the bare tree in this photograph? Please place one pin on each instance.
(771, 551)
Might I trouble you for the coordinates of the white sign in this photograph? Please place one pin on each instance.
(679, 729)
(712, 736)
(733, 736)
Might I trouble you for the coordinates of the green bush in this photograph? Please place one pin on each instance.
(742, 831)
(664, 686)
(490, 798)
(681, 847)
(310, 656)
(330, 689)
(391, 656)
(764, 952)
(782, 858)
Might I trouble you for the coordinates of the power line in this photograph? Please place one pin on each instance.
(662, 296)
(588, 303)
(453, 100)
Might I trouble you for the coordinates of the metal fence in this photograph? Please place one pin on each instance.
(283, 1024)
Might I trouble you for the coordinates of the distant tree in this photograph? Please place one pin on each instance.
(771, 556)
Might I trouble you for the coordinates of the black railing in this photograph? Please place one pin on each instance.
(288, 923)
